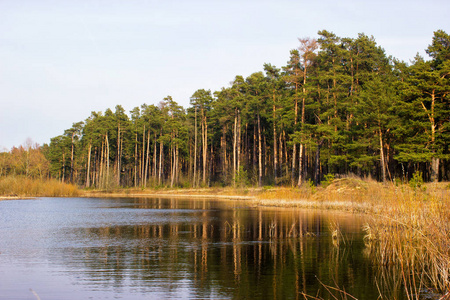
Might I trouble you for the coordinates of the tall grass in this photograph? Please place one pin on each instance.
(412, 234)
(20, 186)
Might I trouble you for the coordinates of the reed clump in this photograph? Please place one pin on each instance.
(412, 234)
(21, 186)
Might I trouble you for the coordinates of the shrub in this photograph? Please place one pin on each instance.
(416, 182)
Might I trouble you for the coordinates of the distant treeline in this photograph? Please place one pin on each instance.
(339, 106)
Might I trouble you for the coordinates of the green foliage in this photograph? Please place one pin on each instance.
(312, 186)
(398, 181)
(241, 180)
(328, 179)
(416, 182)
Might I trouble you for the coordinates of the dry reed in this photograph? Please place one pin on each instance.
(20, 186)
(411, 233)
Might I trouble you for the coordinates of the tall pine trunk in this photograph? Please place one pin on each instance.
(204, 144)
(434, 159)
(259, 153)
(119, 155)
(147, 158)
(383, 166)
(135, 160)
(107, 160)
(275, 154)
(161, 150)
(88, 175)
(195, 150)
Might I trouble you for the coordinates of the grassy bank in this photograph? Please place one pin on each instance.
(19, 186)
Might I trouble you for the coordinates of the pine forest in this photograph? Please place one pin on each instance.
(339, 106)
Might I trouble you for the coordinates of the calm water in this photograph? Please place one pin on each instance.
(172, 248)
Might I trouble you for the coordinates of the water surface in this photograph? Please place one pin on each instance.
(150, 248)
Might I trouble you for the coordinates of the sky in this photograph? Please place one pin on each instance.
(60, 60)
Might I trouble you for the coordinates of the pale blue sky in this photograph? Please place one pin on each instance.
(60, 60)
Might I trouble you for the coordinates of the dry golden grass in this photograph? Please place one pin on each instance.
(19, 186)
(410, 232)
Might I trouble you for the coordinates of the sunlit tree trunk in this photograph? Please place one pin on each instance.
(71, 157)
(434, 159)
(195, 149)
(204, 144)
(88, 175)
(154, 159)
(235, 147)
(119, 155)
(142, 160)
(275, 154)
(259, 153)
(135, 160)
(107, 159)
(383, 167)
(161, 149)
(147, 158)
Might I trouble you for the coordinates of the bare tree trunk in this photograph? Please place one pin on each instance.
(147, 158)
(223, 143)
(172, 164)
(135, 161)
(259, 153)
(294, 149)
(434, 169)
(64, 167)
(383, 166)
(280, 153)
(107, 159)
(161, 150)
(195, 150)
(119, 155)
(275, 154)
(177, 173)
(102, 166)
(286, 155)
(254, 157)
(317, 163)
(239, 141)
(88, 181)
(142, 161)
(434, 159)
(154, 160)
(300, 166)
(234, 147)
(205, 144)
(71, 159)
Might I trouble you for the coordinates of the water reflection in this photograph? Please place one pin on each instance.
(218, 250)
(174, 248)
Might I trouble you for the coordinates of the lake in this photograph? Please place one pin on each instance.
(160, 248)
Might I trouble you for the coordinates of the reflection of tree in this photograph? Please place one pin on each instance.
(217, 251)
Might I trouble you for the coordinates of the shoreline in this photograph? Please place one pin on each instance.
(165, 195)
(255, 198)
(15, 198)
